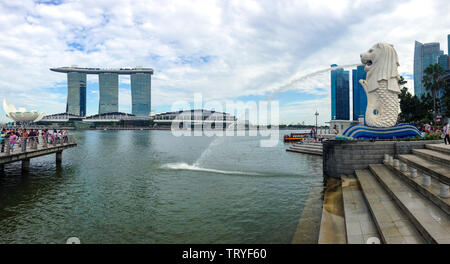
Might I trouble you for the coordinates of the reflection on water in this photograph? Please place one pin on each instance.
(152, 187)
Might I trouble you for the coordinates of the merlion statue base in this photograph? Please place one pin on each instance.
(394, 132)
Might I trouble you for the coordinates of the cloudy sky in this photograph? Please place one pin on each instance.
(227, 50)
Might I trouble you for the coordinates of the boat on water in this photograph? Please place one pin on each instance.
(294, 137)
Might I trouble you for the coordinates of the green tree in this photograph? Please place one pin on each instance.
(433, 82)
(406, 112)
(413, 109)
(424, 109)
(402, 81)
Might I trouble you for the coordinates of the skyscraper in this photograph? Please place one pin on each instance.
(108, 87)
(140, 94)
(340, 97)
(424, 55)
(109, 93)
(448, 46)
(359, 95)
(76, 93)
(443, 61)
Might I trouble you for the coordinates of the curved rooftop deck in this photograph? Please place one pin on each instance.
(99, 70)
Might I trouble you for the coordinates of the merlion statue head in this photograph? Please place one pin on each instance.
(381, 63)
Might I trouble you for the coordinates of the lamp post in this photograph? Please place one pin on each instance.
(317, 114)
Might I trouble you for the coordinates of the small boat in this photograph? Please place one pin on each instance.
(294, 137)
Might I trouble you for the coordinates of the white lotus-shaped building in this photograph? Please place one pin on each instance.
(21, 115)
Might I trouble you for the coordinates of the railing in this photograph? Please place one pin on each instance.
(34, 143)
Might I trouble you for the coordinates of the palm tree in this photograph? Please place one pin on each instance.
(432, 81)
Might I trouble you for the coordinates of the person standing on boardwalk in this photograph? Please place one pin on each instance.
(12, 141)
(445, 133)
(24, 138)
(3, 136)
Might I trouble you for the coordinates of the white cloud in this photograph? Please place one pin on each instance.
(223, 49)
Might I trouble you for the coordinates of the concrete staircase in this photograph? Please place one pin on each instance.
(406, 199)
(306, 148)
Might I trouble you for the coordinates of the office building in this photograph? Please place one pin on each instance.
(424, 55)
(359, 95)
(340, 97)
(109, 93)
(443, 61)
(140, 94)
(76, 93)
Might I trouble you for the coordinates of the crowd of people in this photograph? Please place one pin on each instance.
(429, 129)
(22, 137)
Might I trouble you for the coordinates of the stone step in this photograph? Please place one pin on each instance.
(431, 192)
(359, 224)
(439, 147)
(306, 147)
(434, 169)
(432, 222)
(432, 155)
(305, 151)
(393, 224)
(315, 146)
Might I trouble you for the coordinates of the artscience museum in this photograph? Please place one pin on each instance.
(21, 115)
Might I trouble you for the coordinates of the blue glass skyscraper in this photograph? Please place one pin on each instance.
(359, 95)
(424, 55)
(443, 61)
(340, 94)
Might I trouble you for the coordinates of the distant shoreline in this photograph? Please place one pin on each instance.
(131, 128)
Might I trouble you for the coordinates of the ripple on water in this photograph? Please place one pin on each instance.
(152, 187)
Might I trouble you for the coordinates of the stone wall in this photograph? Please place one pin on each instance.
(344, 157)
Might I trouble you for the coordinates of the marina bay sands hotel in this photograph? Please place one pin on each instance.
(108, 89)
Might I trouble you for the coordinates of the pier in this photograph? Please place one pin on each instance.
(34, 147)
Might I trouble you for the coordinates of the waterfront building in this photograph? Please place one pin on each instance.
(140, 94)
(424, 55)
(340, 94)
(195, 118)
(76, 93)
(359, 95)
(105, 120)
(108, 93)
(108, 88)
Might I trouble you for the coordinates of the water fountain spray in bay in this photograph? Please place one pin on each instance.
(294, 84)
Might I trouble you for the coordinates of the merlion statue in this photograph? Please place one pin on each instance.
(381, 85)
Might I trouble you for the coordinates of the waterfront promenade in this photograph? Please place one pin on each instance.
(392, 192)
(35, 147)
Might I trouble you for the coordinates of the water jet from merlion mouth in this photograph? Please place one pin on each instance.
(292, 85)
